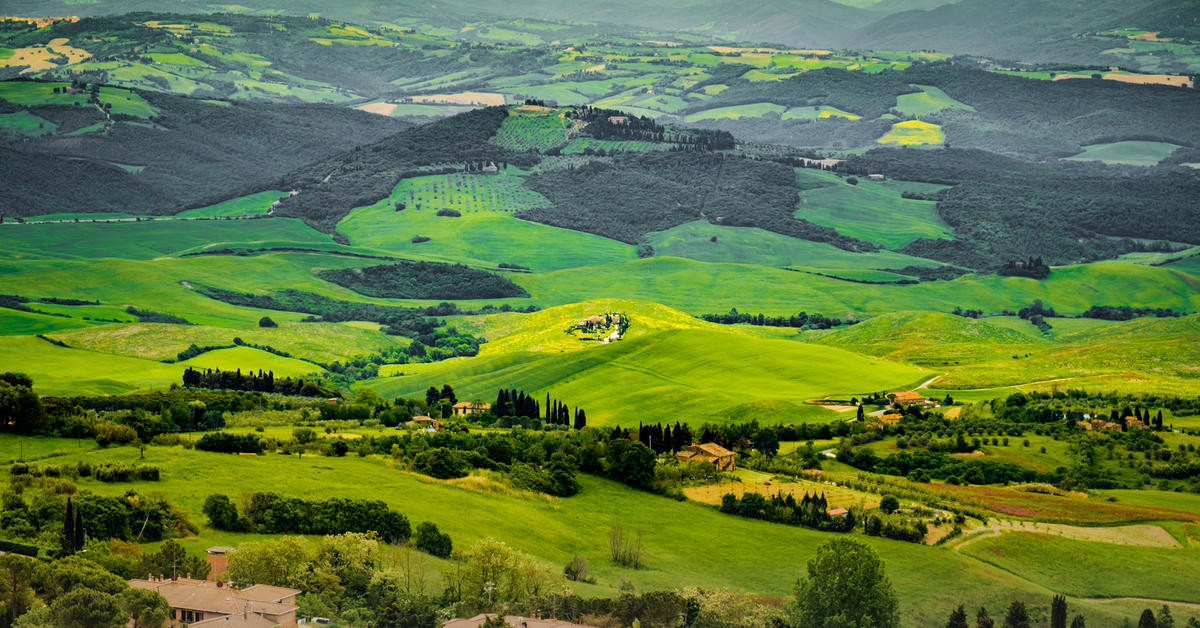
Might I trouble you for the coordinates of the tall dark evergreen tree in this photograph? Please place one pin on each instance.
(1018, 617)
(862, 416)
(432, 396)
(1058, 612)
(80, 536)
(1147, 620)
(958, 618)
(68, 543)
(982, 620)
(448, 394)
(1078, 622)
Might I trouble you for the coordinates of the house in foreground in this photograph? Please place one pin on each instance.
(514, 621)
(722, 458)
(214, 605)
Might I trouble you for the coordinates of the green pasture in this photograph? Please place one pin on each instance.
(697, 287)
(930, 100)
(1085, 569)
(147, 240)
(30, 93)
(870, 211)
(68, 372)
(247, 359)
(252, 205)
(579, 144)
(818, 113)
(26, 123)
(750, 111)
(748, 245)
(321, 342)
(686, 375)
(556, 93)
(486, 233)
(1131, 153)
(14, 448)
(683, 543)
(80, 217)
(18, 323)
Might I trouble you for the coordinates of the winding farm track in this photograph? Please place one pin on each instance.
(1101, 600)
(1138, 535)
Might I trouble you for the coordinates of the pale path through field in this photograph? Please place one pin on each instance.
(1137, 535)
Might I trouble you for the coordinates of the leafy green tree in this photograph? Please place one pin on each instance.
(1165, 619)
(1058, 612)
(304, 435)
(16, 594)
(281, 561)
(561, 470)
(1147, 620)
(65, 575)
(267, 322)
(766, 441)
(409, 611)
(889, 504)
(147, 608)
(221, 513)
(21, 409)
(432, 396)
(87, 608)
(1018, 617)
(635, 466)
(430, 540)
(846, 586)
(958, 618)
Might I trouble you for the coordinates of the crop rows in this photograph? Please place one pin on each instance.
(470, 193)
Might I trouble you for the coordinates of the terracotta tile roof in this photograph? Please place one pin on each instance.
(237, 621)
(198, 595)
(267, 593)
(911, 395)
(714, 450)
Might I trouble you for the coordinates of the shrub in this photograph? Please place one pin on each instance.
(267, 322)
(889, 504)
(452, 213)
(428, 539)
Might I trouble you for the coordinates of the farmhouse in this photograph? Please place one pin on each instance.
(891, 419)
(201, 603)
(617, 119)
(463, 408)
(514, 621)
(708, 452)
(427, 424)
(838, 512)
(909, 398)
(875, 177)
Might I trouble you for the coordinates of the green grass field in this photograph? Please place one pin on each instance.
(322, 342)
(684, 543)
(739, 111)
(1131, 153)
(748, 245)
(870, 211)
(17, 323)
(26, 123)
(28, 93)
(930, 100)
(486, 233)
(148, 240)
(253, 205)
(247, 359)
(818, 113)
(913, 132)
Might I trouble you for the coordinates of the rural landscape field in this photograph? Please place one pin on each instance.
(668, 314)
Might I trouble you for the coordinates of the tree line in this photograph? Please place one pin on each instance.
(257, 382)
(269, 513)
(424, 280)
(803, 320)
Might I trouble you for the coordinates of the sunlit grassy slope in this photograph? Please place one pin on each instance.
(683, 543)
(669, 367)
(871, 210)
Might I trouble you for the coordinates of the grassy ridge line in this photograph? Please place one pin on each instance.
(321, 342)
(681, 374)
(685, 543)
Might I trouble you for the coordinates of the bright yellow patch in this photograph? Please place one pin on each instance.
(913, 132)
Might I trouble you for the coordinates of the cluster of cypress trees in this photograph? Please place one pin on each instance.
(260, 382)
(663, 439)
(557, 413)
(73, 536)
(516, 403)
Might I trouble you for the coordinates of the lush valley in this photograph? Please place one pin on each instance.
(430, 311)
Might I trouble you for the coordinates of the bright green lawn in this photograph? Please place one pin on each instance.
(247, 359)
(17, 323)
(29, 93)
(870, 210)
(1132, 153)
(255, 204)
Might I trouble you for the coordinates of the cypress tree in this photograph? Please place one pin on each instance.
(958, 618)
(1147, 620)
(68, 543)
(1058, 612)
(1078, 622)
(80, 537)
(580, 419)
(862, 416)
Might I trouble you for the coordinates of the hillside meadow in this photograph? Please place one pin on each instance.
(683, 543)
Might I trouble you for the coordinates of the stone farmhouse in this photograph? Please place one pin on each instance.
(722, 458)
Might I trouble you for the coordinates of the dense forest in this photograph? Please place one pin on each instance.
(424, 280)
(1035, 118)
(330, 188)
(1004, 209)
(639, 193)
(192, 150)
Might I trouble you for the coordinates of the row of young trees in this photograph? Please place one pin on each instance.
(803, 320)
(251, 381)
